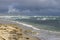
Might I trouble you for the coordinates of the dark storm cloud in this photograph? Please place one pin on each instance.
(37, 7)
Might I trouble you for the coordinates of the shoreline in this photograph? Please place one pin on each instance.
(27, 25)
(43, 34)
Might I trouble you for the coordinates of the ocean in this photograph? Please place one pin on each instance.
(48, 27)
(47, 23)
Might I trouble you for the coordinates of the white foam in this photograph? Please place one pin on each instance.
(44, 34)
(28, 25)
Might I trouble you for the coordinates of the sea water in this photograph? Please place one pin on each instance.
(43, 34)
(47, 27)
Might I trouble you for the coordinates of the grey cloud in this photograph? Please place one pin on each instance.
(40, 3)
(37, 7)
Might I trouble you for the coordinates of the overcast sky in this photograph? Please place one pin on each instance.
(31, 7)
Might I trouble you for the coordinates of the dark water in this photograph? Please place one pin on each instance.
(48, 24)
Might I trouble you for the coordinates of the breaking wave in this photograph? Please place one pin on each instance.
(43, 34)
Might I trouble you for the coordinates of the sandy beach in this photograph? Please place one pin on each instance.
(42, 34)
(12, 31)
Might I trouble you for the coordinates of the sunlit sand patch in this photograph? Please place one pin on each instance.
(13, 32)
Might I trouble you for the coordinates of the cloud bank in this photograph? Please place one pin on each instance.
(32, 7)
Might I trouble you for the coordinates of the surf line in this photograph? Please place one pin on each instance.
(24, 24)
